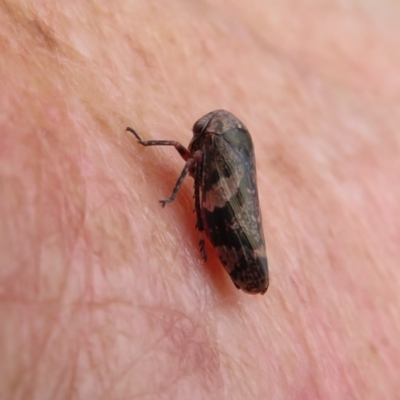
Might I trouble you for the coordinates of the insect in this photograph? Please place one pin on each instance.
(220, 158)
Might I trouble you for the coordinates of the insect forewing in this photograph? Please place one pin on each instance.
(230, 209)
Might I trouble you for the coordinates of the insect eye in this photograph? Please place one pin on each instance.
(201, 125)
(198, 128)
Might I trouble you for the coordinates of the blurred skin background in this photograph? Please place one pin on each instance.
(103, 294)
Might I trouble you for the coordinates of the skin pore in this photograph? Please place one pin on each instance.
(103, 294)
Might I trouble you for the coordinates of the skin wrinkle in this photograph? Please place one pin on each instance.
(171, 328)
(175, 332)
(70, 208)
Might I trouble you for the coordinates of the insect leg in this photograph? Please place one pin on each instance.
(188, 165)
(182, 150)
(198, 156)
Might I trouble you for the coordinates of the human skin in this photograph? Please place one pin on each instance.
(103, 294)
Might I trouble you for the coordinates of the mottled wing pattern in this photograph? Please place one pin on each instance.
(230, 208)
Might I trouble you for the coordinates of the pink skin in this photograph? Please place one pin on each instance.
(103, 294)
